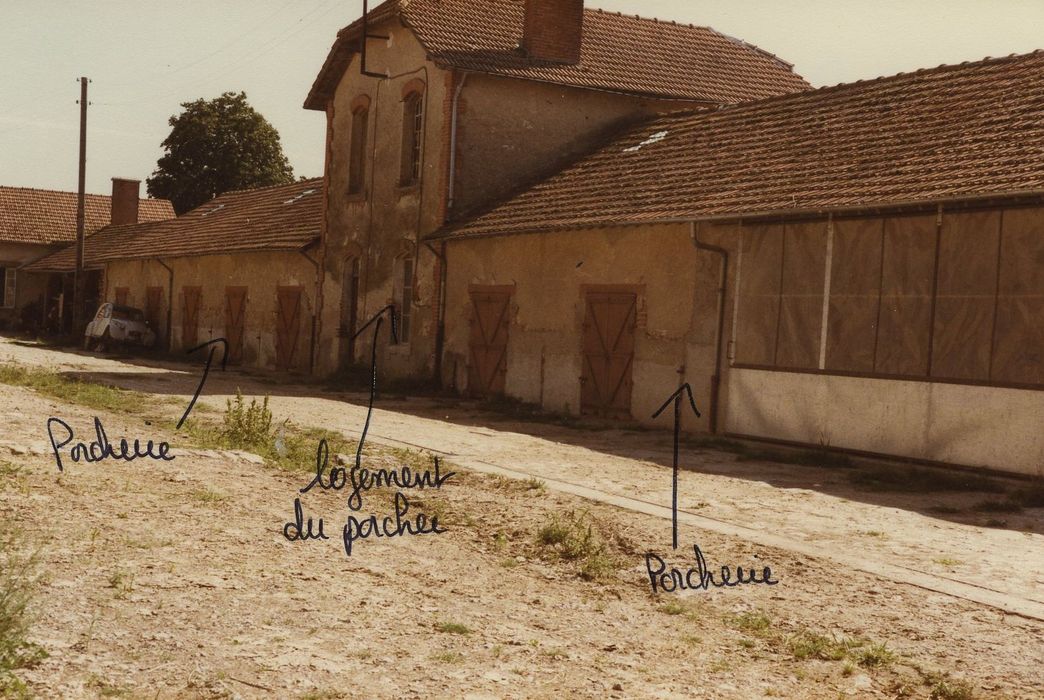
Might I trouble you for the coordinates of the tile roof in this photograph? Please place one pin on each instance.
(29, 215)
(971, 130)
(281, 217)
(622, 53)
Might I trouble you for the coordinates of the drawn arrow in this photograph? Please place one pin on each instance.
(206, 371)
(676, 397)
(377, 319)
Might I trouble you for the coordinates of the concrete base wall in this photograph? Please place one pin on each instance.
(977, 426)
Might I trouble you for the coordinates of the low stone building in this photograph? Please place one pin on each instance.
(860, 267)
(34, 223)
(243, 267)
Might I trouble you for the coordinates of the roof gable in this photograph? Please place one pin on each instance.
(29, 215)
(966, 131)
(620, 53)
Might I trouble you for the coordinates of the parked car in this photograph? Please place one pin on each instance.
(114, 324)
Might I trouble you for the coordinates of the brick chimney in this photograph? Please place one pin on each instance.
(124, 201)
(553, 30)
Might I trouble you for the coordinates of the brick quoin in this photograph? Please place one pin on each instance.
(553, 30)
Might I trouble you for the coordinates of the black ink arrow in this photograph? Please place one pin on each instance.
(676, 397)
(206, 371)
(377, 318)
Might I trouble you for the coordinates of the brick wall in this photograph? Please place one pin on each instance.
(553, 29)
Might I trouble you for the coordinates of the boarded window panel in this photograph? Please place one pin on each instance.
(907, 275)
(1018, 345)
(801, 303)
(855, 285)
(758, 315)
(966, 295)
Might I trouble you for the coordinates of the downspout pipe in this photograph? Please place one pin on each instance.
(719, 333)
(453, 145)
(311, 353)
(170, 304)
(440, 311)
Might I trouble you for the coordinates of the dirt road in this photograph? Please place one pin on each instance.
(174, 578)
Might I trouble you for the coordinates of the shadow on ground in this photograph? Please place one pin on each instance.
(968, 497)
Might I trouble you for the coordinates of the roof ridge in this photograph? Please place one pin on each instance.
(745, 44)
(69, 192)
(862, 83)
(265, 187)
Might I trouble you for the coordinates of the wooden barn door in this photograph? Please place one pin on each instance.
(487, 365)
(235, 322)
(190, 297)
(288, 325)
(608, 353)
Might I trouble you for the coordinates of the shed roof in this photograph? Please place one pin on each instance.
(29, 215)
(970, 130)
(622, 53)
(281, 217)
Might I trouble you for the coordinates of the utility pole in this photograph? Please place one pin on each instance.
(79, 276)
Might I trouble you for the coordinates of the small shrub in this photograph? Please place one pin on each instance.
(573, 538)
(247, 427)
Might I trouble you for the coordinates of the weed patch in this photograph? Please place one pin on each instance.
(572, 537)
(18, 582)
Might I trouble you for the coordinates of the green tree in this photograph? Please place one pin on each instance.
(215, 146)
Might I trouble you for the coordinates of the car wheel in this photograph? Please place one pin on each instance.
(105, 342)
(87, 342)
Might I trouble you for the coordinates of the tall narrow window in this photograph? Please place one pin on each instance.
(412, 130)
(357, 152)
(406, 299)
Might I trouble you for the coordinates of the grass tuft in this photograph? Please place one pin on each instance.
(573, 537)
(452, 628)
(18, 583)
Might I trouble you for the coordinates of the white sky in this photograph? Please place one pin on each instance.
(144, 57)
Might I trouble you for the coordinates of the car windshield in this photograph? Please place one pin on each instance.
(126, 313)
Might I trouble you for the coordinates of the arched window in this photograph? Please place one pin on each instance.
(357, 147)
(412, 136)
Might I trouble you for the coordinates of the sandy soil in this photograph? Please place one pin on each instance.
(172, 579)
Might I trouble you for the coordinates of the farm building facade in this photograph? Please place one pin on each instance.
(859, 266)
(35, 223)
(241, 267)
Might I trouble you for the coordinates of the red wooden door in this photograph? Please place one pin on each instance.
(190, 297)
(288, 325)
(487, 364)
(121, 295)
(235, 322)
(608, 353)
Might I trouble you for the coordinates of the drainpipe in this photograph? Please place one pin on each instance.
(453, 144)
(311, 342)
(719, 332)
(170, 304)
(440, 310)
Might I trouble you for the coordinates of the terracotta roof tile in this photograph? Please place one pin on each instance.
(621, 53)
(971, 130)
(47, 216)
(282, 217)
